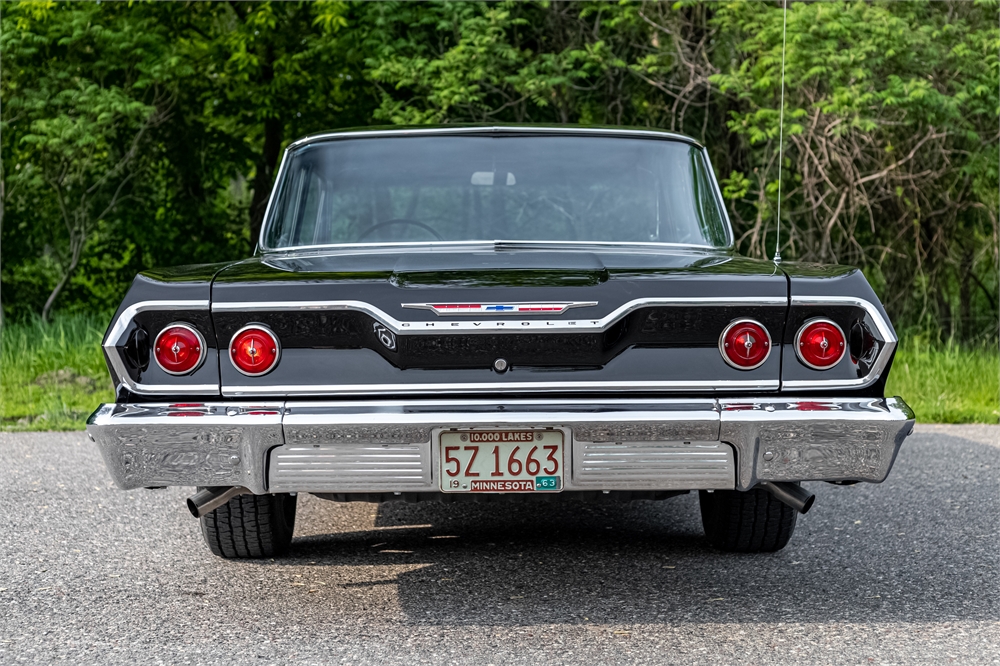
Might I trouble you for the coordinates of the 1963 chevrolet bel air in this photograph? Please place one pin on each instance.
(487, 313)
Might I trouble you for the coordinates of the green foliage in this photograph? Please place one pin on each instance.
(80, 97)
(890, 118)
(143, 134)
(947, 383)
(52, 376)
(170, 119)
(890, 135)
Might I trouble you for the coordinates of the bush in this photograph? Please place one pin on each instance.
(52, 376)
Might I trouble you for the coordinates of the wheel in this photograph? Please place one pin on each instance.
(250, 526)
(746, 522)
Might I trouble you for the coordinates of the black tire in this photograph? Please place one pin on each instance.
(250, 526)
(746, 522)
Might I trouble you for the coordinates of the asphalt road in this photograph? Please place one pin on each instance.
(900, 573)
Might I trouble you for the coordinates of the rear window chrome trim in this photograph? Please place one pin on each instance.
(504, 325)
(501, 244)
(661, 135)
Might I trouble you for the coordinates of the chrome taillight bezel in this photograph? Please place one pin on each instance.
(277, 350)
(798, 340)
(201, 343)
(731, 326)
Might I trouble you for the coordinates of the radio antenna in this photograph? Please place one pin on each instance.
(781, 127)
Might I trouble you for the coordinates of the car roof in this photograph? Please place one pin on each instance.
(479, 130)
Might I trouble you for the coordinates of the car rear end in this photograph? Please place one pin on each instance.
(458, 368)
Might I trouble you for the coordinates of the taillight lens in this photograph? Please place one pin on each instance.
(820, 344)
(179, 349)
(745, 344)
(254, 350)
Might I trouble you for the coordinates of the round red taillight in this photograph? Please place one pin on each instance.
(745, 344)
(179, 349)
(820, 344)
(254, 350)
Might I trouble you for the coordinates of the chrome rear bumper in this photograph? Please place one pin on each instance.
(611, 444)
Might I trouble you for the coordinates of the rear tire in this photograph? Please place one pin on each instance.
(250, 526)
(746, 522)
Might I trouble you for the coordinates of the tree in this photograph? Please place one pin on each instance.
(263, 73)
(891, 139)
(80, 99)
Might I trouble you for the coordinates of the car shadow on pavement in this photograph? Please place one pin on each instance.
(916, 548)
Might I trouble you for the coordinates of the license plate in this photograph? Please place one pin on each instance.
(501, 461)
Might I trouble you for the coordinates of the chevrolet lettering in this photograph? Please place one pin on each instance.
(486, 313)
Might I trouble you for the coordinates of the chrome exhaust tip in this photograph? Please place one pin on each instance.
(791, 494)
(210, 499)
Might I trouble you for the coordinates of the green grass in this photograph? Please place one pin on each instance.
(52, 376)
(947, 383)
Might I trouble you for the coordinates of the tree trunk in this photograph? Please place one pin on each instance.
(264, 179)
(268, 161)
(965, 324)
(77, 241)
(53, 296)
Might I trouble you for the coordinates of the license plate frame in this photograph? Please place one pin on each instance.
(522, 449)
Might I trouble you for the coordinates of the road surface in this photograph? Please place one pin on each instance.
(905, 572)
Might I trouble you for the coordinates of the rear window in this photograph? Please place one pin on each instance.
(568, 188)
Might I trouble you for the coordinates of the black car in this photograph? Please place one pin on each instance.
(487, 313)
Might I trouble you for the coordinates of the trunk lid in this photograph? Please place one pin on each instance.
(433, 320)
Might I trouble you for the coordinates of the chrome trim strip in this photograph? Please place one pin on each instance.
(497, 326)
(121, 325)
(399, 412)
(279, 183)
(500, 244)
(444, 309)
(129, 313)
(493, 129)
(602, 404)
(888, 336)
(498, 387)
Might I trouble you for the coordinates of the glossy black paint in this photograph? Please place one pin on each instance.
(822, 280)
(651, 327)
(388, 279)
(358, 369)
(330, 348)
(183, 283)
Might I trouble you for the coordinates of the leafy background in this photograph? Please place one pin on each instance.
(144, 134)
